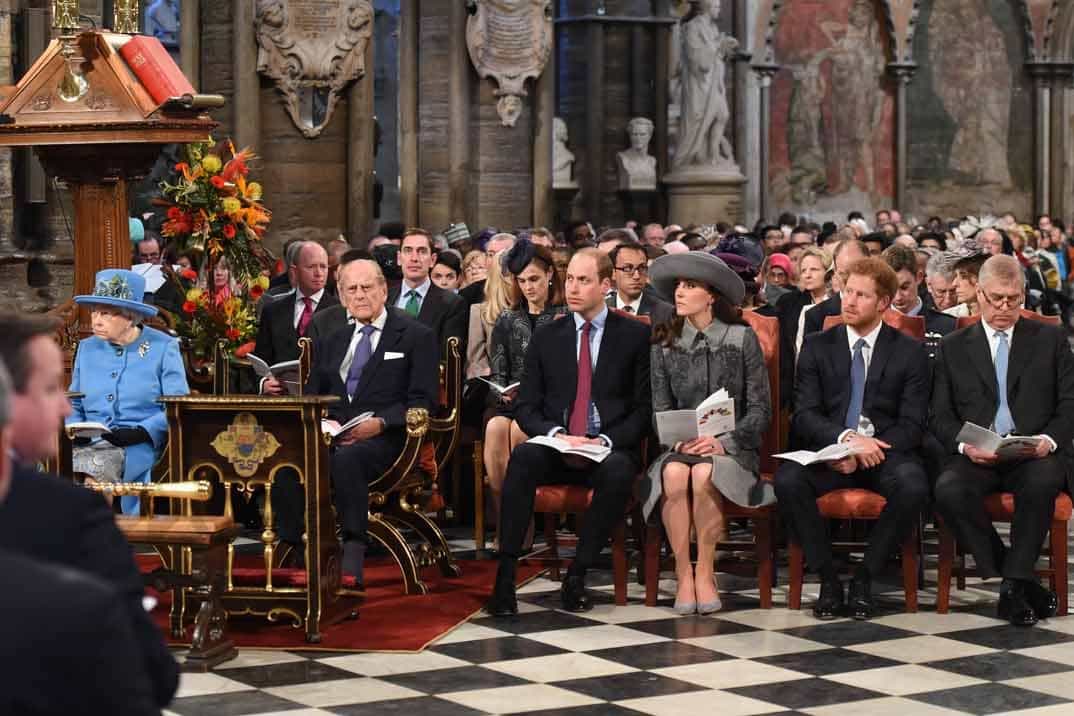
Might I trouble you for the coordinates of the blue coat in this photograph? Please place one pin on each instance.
(121, 385)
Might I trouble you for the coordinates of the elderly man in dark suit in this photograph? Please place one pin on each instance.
(603, 398)
(631, 265)
(443, 311)
(1015, 376)
(78, 596)
(286, 319)
(384, 365)
(865, 384)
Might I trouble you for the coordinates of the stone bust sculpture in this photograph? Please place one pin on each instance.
(702, 145)
(562, 158)
(162, 21)
(637, 168)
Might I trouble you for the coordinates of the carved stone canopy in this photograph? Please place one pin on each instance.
(509, 41)
(313, 49)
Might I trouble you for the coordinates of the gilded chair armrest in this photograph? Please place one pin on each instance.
(417, 424)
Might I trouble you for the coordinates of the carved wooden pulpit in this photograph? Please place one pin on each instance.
(93, 125)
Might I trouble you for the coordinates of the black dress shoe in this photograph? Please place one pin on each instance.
(1043, 600)
(503, 602)
(860, 600)
(831, 600)
(1013, 604)
(573, 595)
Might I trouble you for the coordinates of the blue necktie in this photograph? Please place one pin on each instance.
(857, 387)
(1004, 423)
(362, 353)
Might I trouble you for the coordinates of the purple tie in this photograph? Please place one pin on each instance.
(362, 353)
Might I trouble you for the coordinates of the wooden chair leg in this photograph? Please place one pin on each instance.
(654, 537)
(1058, 559)
(945, 563)
(796, 567)
(551, 543)
(619, 563)
(479, 495)
(762, 539)
(909, 572)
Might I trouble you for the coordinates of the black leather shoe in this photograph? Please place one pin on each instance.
(1013, 605)
(831, 600)
(860, 600)
(503, 602)
(1043, 600)
(573, 595)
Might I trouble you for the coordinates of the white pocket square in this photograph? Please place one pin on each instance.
(391, 355)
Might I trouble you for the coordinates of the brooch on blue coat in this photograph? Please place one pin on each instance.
(143, 349)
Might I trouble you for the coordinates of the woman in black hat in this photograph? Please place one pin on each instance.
(536, 299)
(708, 346)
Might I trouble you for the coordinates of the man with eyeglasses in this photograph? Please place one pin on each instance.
(1015, 376)
(630, 277)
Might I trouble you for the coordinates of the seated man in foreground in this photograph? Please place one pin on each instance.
(866, 384)
(603, 398)
(1015, 376)
(384, 365)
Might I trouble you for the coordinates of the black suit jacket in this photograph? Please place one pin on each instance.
(620, 381)
(443, 311)
(68, 646)
(388, 387)
(896, 390)
(47, 518)
(658, 311)
(327, 322)
(1040, 384)
(789, 309)
(814, 320)
(277, 340)
(474, 293)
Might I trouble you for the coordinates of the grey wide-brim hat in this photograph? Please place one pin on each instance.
(667, 271)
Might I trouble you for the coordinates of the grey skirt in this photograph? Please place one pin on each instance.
(734, 482)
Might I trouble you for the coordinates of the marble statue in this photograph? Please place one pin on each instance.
(637, 168)
(562, 158)
(162, 21)
(702, 146)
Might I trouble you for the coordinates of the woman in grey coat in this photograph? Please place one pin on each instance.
(708, 346)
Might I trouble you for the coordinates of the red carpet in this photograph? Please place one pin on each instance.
(388, 619)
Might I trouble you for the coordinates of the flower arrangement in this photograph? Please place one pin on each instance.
(215, 214)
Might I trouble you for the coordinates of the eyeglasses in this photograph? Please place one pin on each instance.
(630, 269)
(1004, 301)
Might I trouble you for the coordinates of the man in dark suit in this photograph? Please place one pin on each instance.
(443, 311)
(601, 398)
(385, 365)
(845, 253)
(865, 384)
(903, 261)
(1016, 376)
(47, 518)
(335, 317)
(286, 319)
(631, 265)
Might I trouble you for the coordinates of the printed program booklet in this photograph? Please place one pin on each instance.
(715, 416)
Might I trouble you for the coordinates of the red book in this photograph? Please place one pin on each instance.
(155, 68)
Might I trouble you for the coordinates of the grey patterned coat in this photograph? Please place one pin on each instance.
(510, 339)
(694, 367)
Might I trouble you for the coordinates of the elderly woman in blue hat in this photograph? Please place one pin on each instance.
(121, 371)
(706, 347)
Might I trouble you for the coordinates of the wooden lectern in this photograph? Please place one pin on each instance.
(96, 142)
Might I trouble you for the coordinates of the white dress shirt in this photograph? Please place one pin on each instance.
(374, 340)
(635, 305)
(865, 426)
(300, 305)
(404, 293)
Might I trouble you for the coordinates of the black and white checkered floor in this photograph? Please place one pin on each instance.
(637, 659)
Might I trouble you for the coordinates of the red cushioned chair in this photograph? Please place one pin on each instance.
(858, 503)
(763, 518)
(554, 500)
(1000, 507)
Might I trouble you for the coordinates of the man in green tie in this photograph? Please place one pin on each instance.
(443, 311)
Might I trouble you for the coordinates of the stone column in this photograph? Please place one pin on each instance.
(246, 108)
(544, 111)
(360, 138)
(1061, 77)
(408, 111)
(593, 156)
(903, 73)
(459, 74)
(1042, 94)
(661, 76)
(764, 73)
(190, 41)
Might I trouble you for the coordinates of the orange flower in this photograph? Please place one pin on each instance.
(189, 307)
(256, 292)
(218, 181)
(244, 350)
(174, 212)
(232, 334)
(182, 167)
(229, 231)
(189, 274)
